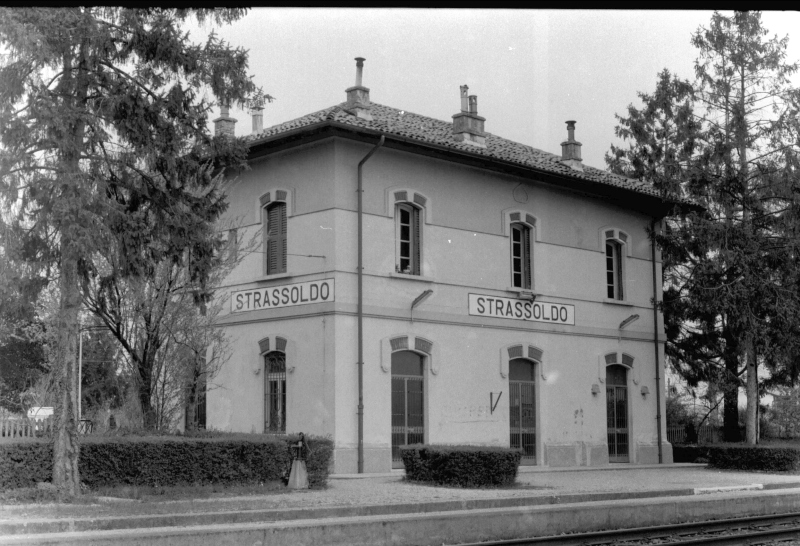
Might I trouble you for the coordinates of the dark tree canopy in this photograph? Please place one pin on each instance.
(730, 142)
(104, 141)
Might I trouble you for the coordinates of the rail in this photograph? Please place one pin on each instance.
(715, 532)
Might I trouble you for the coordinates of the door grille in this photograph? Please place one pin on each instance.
(522, 416)
(617, 416)
(408, 422)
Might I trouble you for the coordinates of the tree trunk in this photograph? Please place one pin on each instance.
(730, 414)
(145, 401)
(65, 440)
(751, 417)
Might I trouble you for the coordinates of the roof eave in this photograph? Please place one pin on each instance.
(648, 204)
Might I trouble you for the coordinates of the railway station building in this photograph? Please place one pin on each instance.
(505, 295)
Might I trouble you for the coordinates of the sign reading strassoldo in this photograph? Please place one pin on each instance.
(288, 295)
(535, 311)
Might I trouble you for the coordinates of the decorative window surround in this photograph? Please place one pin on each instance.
(277, 342)
(410, 277)
(265, 278)
(522, 350)
(409, 342)
(515, 215)
(624, 303)
(408, 238)
(401, 194)
(615, 357)
(526, 228)
(620, 247)
(275, 211)
(272, 195)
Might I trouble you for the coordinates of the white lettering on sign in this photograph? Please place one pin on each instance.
(288, 295)
(534, 311)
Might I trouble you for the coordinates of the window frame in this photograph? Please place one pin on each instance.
(415, 239)
(272, 239)
(268, 394)
(615, 289)
(525, 259)
(619, 242)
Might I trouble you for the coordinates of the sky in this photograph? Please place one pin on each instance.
(531, 70)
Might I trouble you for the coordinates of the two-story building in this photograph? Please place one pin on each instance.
(418, 280)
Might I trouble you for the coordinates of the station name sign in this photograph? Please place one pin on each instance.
(288, 295)
(508, 308)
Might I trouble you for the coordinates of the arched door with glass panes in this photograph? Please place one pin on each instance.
(617, 413)
(522, 406)
(408, 419)
(275, 393)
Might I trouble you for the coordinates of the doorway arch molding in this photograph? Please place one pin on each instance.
(521, 350)
(409, 342)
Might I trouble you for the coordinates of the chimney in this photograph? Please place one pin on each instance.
(571, 149)
(257, 112)
(224, 124)
(358, 96)
(467, 124)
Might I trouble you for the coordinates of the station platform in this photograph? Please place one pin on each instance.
(384, 509)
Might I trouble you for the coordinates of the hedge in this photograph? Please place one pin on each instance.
(461, 466)
(167, 461)
(689, 453)
(764, 458)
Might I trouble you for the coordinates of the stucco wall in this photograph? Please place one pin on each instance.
(465, 250)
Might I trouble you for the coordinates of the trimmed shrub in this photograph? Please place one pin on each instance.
(461, 466)
(689, 453)
(763, 458)
(167, 461)
(23, 463)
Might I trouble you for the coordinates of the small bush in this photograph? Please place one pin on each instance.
(683, 453)
(167, 461)
(23, 464)
(461, 466)
(758, 457)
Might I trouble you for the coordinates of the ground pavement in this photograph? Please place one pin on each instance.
(384, 509)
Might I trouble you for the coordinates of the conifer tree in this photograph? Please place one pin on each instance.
(730, 281)
(103, 137)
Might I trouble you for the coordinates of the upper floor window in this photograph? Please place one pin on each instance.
(408, 239)
(520, 256)
(614, 270)
(275, 238)
(615, 245)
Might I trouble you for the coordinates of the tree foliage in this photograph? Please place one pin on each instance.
(729, 142)
(104, 141)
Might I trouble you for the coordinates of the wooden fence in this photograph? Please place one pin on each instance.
(26, 428)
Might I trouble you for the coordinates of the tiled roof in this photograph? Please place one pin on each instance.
(391, 121)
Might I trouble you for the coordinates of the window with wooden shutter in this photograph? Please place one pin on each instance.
(275, 235)
(409, 247)
(521, 256)
(613, 270)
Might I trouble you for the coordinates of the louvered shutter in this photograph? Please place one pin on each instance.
(526, 254)
(417, 242)
(276, 238)
(282, 253)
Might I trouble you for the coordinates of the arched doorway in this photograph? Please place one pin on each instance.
(617, 413)
(522, 407)
(275, 393)
(408, 419)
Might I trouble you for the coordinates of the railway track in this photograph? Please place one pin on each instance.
(773, 529)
